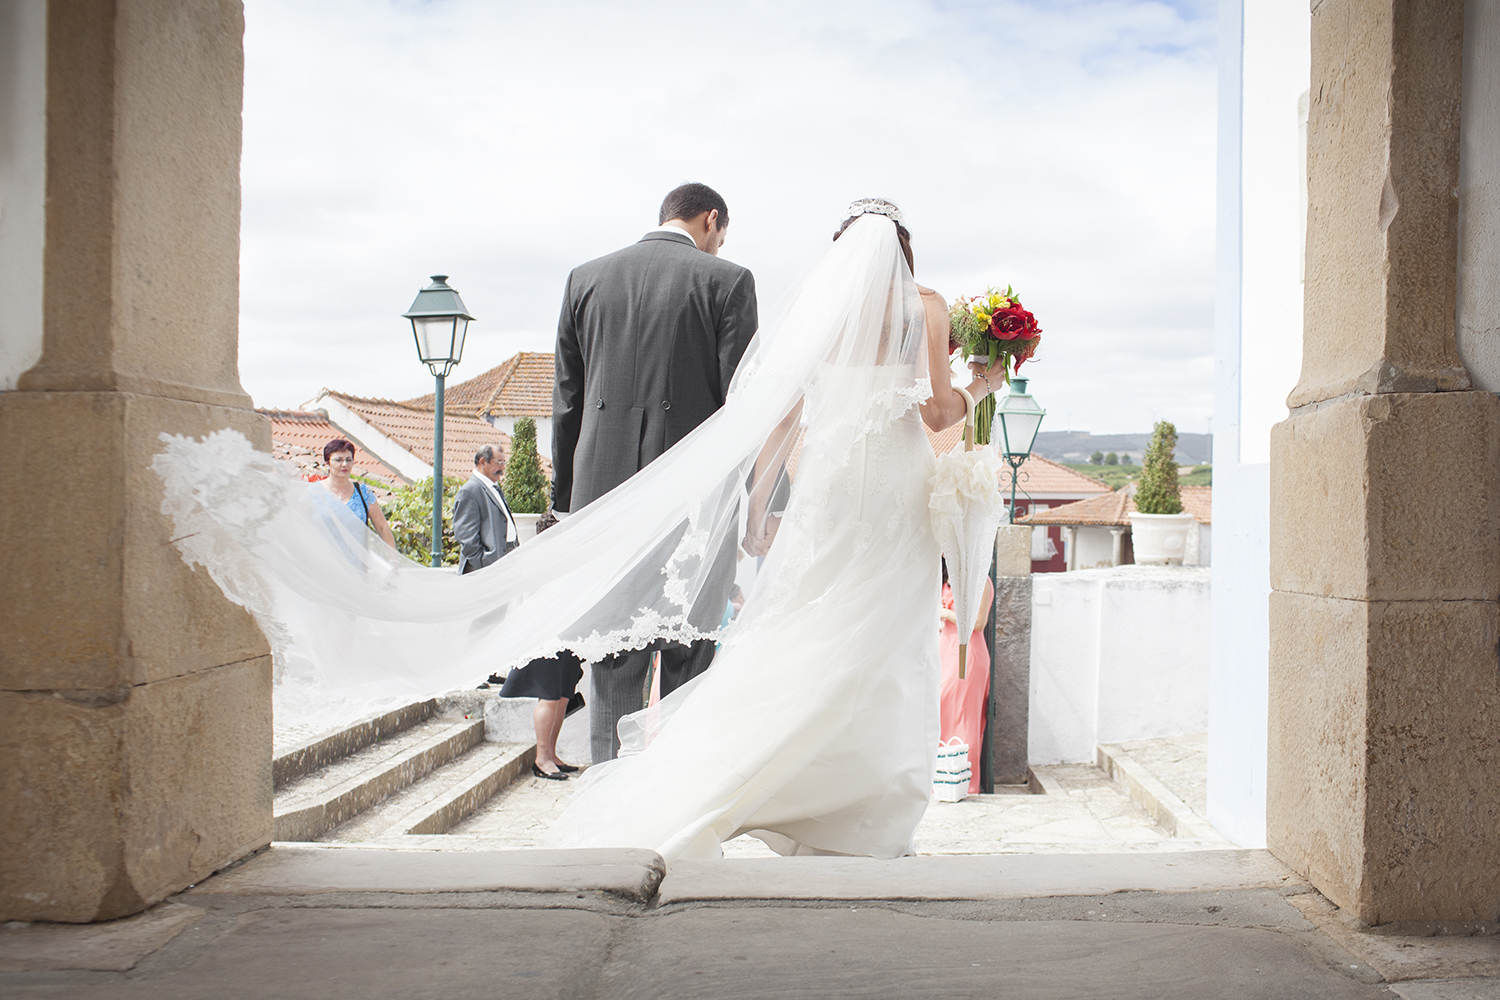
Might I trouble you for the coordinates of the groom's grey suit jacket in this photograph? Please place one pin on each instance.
(647, 342)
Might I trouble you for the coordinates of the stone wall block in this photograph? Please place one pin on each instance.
(156, 785)
(1389, 497)
(1382, 753)
(106, 599)
(1433, 749)
(143, 193)
(1382, 234)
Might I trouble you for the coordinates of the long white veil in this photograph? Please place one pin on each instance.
(350, 622)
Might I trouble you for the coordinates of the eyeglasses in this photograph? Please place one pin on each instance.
(343, 458)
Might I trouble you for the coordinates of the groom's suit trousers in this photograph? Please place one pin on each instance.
(620, 687)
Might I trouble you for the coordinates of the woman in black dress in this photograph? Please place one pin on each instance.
(552, 681)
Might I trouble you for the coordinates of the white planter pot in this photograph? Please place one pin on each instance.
(1160, 539)
(526, 525)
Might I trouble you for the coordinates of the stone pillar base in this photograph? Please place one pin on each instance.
(1384, 679)
(135, 702)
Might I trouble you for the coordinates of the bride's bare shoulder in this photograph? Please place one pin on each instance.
(928, 293)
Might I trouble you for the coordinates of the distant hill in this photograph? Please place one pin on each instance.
(1077, 446)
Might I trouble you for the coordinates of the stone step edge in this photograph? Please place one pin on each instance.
(320, 751)
(442, 813)
(312, 821)
(1147, 791)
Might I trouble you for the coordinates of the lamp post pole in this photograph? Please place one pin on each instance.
(439, 321)
(1019, 418)
(437, 474)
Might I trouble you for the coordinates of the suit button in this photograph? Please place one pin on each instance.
(666, 404)
(600, 404)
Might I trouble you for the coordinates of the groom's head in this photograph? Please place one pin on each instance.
(698, 210)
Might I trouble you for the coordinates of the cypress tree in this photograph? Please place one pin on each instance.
(526, 486)
(1158, 492)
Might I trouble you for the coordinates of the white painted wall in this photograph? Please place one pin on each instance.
(23, 178)
(1264, 69)
(1116, 654)
(1277, 71)
(1094, 547)
(1478, 311)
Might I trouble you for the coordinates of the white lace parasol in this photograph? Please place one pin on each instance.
(966, 509)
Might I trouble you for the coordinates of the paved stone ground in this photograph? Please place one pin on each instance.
(1086, 813)
(336, 923)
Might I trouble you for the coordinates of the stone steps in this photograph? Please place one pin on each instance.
(311, 806)
(441, 800)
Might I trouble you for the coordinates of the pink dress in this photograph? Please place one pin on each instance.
(961, 702)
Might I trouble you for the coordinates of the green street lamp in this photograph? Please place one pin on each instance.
(439, 321)
(1019, 418)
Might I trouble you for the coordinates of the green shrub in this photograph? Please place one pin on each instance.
(526, 487)
(1125, 460)
(1097, 458)
(1111, 459)
(1158, 492)
(409, 512)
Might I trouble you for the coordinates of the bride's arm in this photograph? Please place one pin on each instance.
(946, 407)
(768, 464)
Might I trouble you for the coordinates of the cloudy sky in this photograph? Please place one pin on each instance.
(1062, 146)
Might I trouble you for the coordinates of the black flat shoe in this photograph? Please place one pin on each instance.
(566, 768)
(550, 776)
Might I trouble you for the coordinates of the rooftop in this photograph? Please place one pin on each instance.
(1114, 509)
(299, 436)
(520, 387)
(411, 427)
(1039, 476)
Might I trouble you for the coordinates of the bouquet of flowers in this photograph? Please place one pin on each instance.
(990, 327)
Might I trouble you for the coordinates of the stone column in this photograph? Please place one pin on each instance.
(135, 701)
(1008, 728)
(1385, 499)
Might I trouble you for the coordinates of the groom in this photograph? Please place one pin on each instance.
(647, 343)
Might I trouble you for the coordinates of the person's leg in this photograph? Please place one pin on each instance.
(680, 664)
(617, 682)
(560, 713)
(546, 720)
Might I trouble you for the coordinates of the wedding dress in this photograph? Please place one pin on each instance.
(817, 725)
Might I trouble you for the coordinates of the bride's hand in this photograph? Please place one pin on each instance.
(992, 372)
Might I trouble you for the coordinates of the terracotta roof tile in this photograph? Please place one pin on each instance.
(1039, 476)
(300, 436)
(411, 427)
(520, 387)
(1114, 509)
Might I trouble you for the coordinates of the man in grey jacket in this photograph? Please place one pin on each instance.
(647, 343)
(482, 522)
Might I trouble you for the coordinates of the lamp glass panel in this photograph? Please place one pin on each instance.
(460, 330)
(1020, 431)
(434, 337)
(1020, 419)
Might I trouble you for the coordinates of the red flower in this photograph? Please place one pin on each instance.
(1027, 350)
(1013, 323)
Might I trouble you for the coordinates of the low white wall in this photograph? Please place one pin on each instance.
(1117, 654)
(1095, 546)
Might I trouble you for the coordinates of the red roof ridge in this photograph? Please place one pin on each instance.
(347, 397)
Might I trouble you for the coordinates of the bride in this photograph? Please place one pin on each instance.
(816, 729)
(817, 725)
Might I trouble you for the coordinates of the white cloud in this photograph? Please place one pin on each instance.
(1063, 147)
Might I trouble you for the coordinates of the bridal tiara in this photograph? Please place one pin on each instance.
(874, 206)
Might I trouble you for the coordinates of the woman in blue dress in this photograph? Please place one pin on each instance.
(356, 501)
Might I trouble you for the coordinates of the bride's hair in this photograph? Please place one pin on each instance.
(901, 232)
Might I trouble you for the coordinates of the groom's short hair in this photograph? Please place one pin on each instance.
(688, 201)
